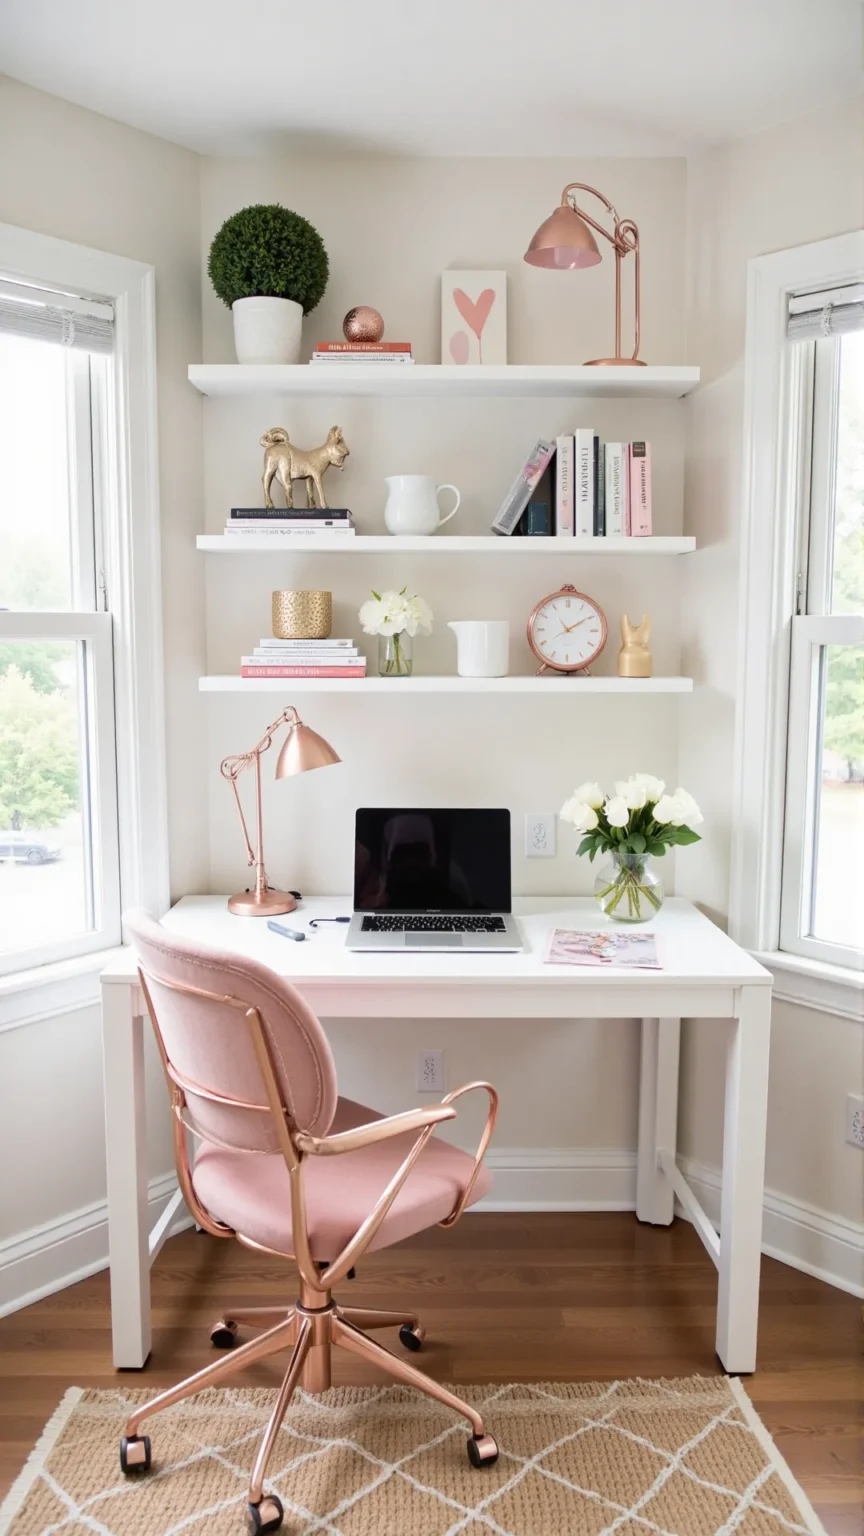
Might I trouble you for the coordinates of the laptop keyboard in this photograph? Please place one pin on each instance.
(420, 922)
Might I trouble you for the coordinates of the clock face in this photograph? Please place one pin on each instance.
(567, 631)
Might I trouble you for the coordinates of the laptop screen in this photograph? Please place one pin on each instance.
(432, 861)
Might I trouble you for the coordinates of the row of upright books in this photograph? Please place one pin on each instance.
(292, 522)
(304, 658)
(579, 486)
(382, 353)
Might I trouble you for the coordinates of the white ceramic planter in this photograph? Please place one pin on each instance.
(267, 330)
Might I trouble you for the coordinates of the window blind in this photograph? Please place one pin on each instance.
(43, 315)
(831, 312)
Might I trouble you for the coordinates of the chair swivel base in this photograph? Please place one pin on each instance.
(310, 1329)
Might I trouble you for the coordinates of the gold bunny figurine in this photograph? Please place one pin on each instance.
(634, 657)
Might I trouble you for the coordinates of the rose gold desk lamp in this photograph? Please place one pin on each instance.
(302, 749)
(565, 241)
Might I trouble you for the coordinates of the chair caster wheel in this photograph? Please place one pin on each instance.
(412, 1338)
(482, 1451)
(263, 1517)
(224, 1335)
(135, 1453)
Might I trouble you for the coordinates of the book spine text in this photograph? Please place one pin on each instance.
(640, 490)
(564, 452)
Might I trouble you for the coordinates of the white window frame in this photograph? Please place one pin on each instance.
(776, 479)
(131, 560)
(810, 632)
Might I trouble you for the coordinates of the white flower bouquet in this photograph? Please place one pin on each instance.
(393, 615)
(635, 823)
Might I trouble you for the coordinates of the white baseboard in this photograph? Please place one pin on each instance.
(800, 1235)
(50, 1257)
(59, 1253)
(561, 1179)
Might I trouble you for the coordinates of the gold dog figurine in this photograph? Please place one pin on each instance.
(286, 463)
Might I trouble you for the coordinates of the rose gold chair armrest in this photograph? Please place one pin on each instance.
(451, 1220)
(376, 1130)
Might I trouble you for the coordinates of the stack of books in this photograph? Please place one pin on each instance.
(380, 352)
(578, 486)
(304, 658)
(292, 522)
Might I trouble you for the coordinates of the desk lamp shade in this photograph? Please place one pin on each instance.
(564, 241)
(303, 749)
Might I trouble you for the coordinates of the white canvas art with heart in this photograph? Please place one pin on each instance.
(473, 317)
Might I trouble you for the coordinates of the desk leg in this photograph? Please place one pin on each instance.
(126, 1155)
(741, 1200)
(658, 1118)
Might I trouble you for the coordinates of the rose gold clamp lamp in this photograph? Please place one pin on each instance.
(302, 750)
(564, 241)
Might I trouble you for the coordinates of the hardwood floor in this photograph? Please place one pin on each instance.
(504, 1297)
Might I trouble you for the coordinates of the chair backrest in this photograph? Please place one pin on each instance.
(209, 1043)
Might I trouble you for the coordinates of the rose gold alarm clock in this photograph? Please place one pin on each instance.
(567, 631)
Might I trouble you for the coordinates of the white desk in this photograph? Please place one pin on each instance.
(705, 975)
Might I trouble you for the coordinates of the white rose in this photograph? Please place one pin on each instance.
(687, 812)
(580, 815)
(631, 792)
(372, 615)
(617, 811)
(590, 794)
(653, 787)
(665, 810)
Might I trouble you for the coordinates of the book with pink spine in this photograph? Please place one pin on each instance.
(303, 671)
(640, 490)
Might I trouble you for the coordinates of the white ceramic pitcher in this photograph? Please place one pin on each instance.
(412, 504)
(483, 647)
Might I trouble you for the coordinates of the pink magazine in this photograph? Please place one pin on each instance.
(575, 946)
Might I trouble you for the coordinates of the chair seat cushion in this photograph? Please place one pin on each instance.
(252, 1194)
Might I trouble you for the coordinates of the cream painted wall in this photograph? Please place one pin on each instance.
(71, 173)
(391, 227)
(800, 182)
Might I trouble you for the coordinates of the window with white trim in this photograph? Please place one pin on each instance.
(822, 890)
(59, 863)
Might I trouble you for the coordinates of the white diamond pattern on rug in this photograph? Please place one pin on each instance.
(675, 1458)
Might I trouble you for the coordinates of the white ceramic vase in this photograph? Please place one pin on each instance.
(483, 647)
(267, 330)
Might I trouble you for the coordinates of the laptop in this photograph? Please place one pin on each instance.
(433, 880)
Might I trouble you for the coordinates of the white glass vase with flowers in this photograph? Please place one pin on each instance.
(634, 825)
(395, 617)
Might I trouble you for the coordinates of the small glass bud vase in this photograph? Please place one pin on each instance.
(628, 888)
(395, 655)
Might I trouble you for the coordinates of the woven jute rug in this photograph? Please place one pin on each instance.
(678, 1458)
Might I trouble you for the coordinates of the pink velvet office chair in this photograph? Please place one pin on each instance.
(288, 1167)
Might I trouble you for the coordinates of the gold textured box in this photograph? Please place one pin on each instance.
(302, 615)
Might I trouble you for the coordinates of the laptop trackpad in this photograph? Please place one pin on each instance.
(433, 940)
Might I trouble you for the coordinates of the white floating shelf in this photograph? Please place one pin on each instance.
(440, 544)
(549, 685)
(445, 381)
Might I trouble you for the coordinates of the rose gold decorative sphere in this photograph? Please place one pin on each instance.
(363, 324)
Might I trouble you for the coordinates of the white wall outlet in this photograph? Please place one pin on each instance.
(855, 1119)
(430, 1072)
(540, 834)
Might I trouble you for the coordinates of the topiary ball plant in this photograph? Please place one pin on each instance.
(268, 251)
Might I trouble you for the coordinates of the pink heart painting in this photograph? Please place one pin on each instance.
(459, 345)
(475, 313)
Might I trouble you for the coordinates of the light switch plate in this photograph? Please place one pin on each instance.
(540, 827)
